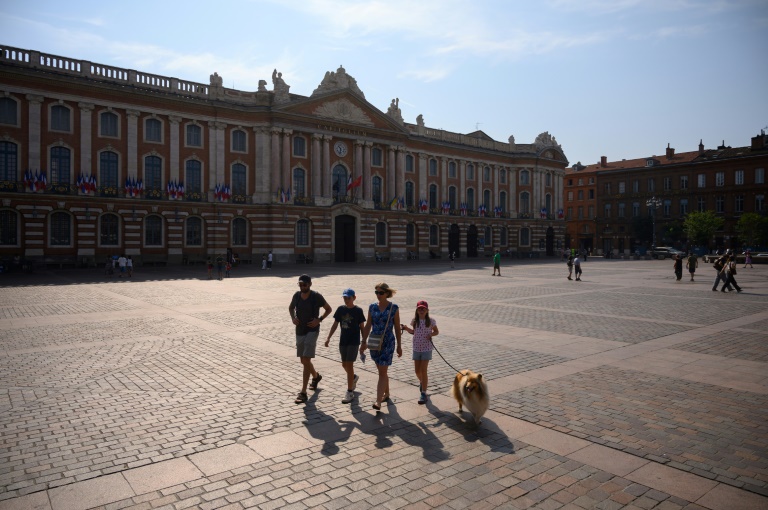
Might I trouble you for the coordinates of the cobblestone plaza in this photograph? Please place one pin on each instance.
(168, 390)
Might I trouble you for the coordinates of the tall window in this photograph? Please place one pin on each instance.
(377, 157)
(302, 232)
(432, 166)
(621, 187)
(153, 173)
(60, 164)
(548, 179)
(720, 179)
(9, 161)
(9, 228)
(408, 163)
(636, 186)
(607, 210)
(759, 176)
(194, 231)
(488, 236)
(701, 204)
(108, 169)
(635, 209)
(153, 130)
(503, 236)
(702, 180)
(548, 203)
(667, 208)
(683, 182)
(683, 206)
(410, 234)
(194, 135)
(376, 189)
(239, 184)
(193, 178)
(487, 199)
(739, 177)
(591, 194)
(651, 185)
(434, 235)
(109, 234)
(759, 203)
(580, 212)
(339, 180)
(470, 172)
(452, 170)
(433, 196)
(525, 237)
(61, 229)
(409, 196)
(452, 196)
(525, 202)
(503, 176)
(622, 210)
(667, 183)
(487, 174)
(471, 199)
(381, 234)
(525, 177)
(739, 204)
(240, 232)
(108, 124)
(720, 204)
(299, 146)
(579, 194)
(503, 201)
(239, 141)
(60, 118)
(153, 230)
(9, 111)
(299, 183)
(591, 212)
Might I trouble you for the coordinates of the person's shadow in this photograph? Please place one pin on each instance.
(324, 427)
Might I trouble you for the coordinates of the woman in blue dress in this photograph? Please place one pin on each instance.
(379, 314)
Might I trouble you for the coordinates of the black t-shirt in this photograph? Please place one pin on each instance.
(349, 320)
(306, 310)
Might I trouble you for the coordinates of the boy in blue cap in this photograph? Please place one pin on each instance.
(352, 320)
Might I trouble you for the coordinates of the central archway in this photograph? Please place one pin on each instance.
(344, 241)
(472, 241)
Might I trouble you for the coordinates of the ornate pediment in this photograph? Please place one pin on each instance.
(343, 110)
(338, 80)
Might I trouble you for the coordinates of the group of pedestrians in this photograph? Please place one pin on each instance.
(725, 266)
(119, 263)
(382, 321)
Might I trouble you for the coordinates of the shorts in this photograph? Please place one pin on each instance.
(349, 352)
(496, 266)
(306, 344)
(422, 356)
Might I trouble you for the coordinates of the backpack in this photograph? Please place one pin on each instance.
(719, 264)
(570, 263)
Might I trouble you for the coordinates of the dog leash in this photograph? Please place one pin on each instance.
(438, 353)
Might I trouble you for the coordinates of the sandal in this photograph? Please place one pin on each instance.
(315, 381)
(377, 406)
(301, 398)
(385, 397)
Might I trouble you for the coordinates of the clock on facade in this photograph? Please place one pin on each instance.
(340, 148)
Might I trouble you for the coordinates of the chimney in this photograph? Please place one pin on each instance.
(670, 152)
(701, 146)
(759, 141)
(603, 161)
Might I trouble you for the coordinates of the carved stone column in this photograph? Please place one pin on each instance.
(216, 152)
(400, 172)
(173, 146)
(34, 131)
(462, 181)
(132, 141)
(287, 178)
(512, 176)
(274, 160)
(317, 174)
(86, 137)
(264, 187)
(326, 169)
(443, 181)
(390, 191)
(367, 189)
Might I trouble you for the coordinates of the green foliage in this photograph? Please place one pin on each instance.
(752, 229)
(701, 226)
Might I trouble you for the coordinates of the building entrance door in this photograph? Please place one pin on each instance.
(550, 242)
(344, 242)
(472, 241)
(454, 243)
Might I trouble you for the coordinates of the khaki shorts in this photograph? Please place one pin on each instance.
(306, 344)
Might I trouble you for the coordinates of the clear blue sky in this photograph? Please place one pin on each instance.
(615, 78)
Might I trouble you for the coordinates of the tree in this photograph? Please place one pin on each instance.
(673, 231)
(701, 226)
(752, 229)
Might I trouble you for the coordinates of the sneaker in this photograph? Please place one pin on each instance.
(354, 382)
(348, 397)
(315, 381)
(423, 398)
(301, 398)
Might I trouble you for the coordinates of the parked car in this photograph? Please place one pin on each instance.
(663, 252)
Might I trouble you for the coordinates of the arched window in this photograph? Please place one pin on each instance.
(525, 177)
(525, 237)
(548, 179)
(525, 205)
(302, 232)
(470, 172)
(238, 179)
(60, 165)
(109, 230)
(410, 234)
(108, 124)
(503, 236)
(409, 194)
(503, 176)
(381, 234)
(452, 196)
(9, 228)
(299, 184)
(9, 161)
(108, 169)
(433, 196)
(194, 231)
(487, 174)
(239, 232)
(376, 189)
(193, 176)
(153, 173)
(9, 111)
(153, 130)
(61, 229)
(239, 141)
(153, 230)
(432, 166)
(470, 199)
(434, 235)
(60, 118)
(377, 157)
(339, 181)
(503, 201)
(487, 200)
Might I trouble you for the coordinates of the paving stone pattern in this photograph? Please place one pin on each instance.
(749, 346)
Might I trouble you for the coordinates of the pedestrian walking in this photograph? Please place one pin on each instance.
(577, 268)
(129, 266)
(227, 269)
(452, 256)
(678, 266)
(263, 261)
(496, 262)
(209, 265)
(269, 260)
(570, 266)
(423, 328)
(121, 263)
(718, 266)
(305, 315)
(692, 263)
(730, 275)
(220, 266)
(352, 321)
(748, 259)
(383, 320)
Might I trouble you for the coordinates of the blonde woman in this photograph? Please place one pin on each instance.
(383, 318)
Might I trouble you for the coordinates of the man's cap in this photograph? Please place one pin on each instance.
(422, 304)
(305, 278)
(348, 293)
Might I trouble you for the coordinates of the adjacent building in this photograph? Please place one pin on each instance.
(97, 160)
(608, 205)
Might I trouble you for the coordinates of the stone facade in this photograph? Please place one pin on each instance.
(98, 160)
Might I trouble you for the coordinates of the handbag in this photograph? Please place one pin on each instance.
(375, 340)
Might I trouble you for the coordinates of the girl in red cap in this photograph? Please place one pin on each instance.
(423, 328)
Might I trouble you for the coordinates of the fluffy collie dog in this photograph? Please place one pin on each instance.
(470, 391)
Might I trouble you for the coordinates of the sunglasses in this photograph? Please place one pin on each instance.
(380, 292)
(303, 285)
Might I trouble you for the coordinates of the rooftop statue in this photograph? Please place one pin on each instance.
(394, 110)
(337, 81)
(280, 88)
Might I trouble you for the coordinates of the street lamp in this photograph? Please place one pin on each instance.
(653, 203)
